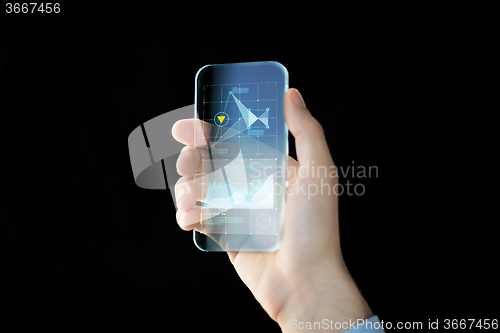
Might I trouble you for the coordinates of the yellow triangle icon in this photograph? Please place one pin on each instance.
(221, 118)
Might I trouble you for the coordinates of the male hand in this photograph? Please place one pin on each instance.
(306, 279)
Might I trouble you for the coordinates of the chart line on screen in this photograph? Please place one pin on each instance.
(248, 115)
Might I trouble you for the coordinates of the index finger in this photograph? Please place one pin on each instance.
(191, 132)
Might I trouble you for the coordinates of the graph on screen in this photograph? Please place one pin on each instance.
(248, 117)
(242, 110)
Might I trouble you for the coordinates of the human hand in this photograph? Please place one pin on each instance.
(306, 279)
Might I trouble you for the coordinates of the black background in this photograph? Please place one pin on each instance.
(82, 247)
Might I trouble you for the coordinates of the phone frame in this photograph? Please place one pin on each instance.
(249, 72)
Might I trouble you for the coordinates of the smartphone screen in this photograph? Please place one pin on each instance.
(243, 152)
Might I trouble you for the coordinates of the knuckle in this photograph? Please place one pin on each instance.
(181, 181)
(316, 126)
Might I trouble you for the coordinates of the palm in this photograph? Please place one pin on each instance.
(305, 234)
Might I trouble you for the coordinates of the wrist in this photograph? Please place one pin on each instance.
(321, 304)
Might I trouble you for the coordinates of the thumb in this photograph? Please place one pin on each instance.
(310, 142)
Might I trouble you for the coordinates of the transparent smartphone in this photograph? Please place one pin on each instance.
(242, 139)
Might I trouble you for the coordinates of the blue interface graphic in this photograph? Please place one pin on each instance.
(242, 112)
(241, 158)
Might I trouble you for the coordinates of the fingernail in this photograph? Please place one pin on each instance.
(181, 192)
(298, 100)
